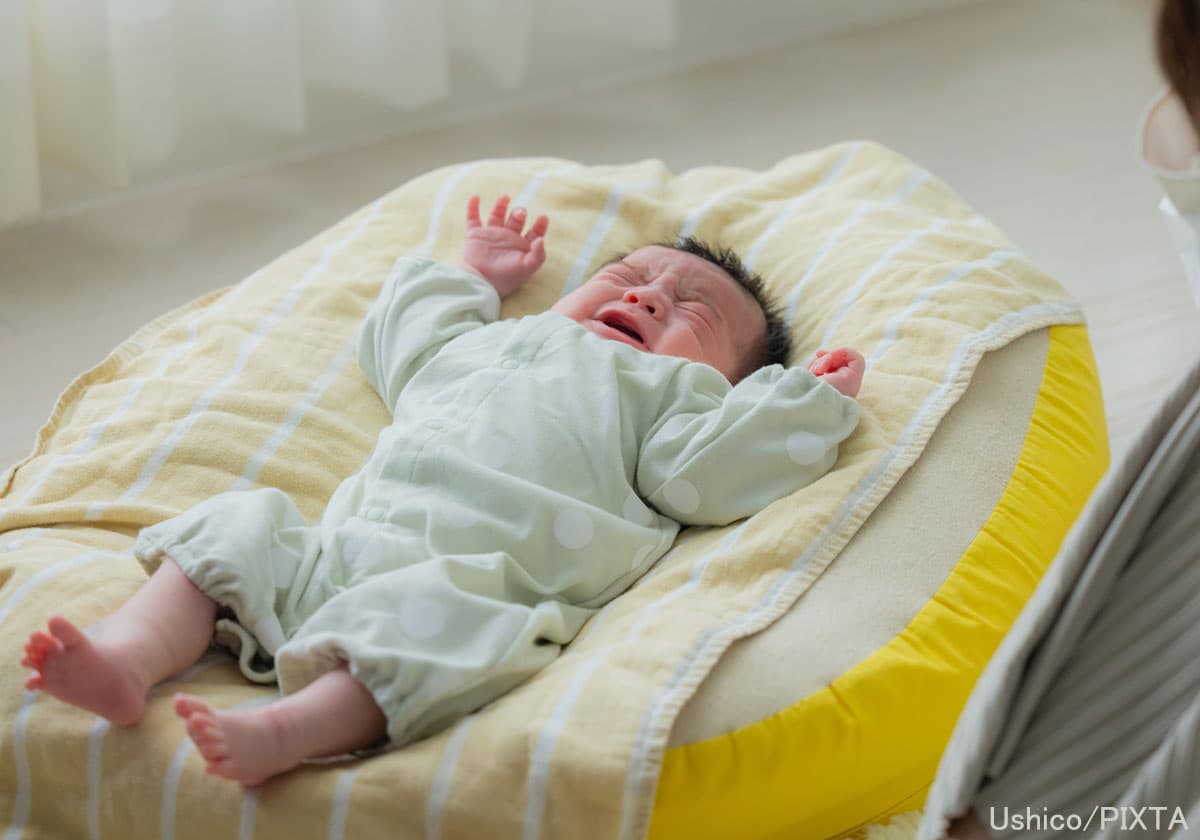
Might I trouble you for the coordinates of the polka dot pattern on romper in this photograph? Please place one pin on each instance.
(573, 528)
(682, 495)
(360, 552)
(805, 447)
(423, 618)
(492, 450)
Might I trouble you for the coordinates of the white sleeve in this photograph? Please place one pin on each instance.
(719, 453)
(422, 305)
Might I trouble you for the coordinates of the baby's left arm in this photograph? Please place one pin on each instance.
(721, 453)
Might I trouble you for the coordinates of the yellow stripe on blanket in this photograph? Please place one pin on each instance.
(257, 386)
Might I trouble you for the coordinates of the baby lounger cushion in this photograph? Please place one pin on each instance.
(836, 714)
(671, 714)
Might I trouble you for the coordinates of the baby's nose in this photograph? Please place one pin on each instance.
(641, 299)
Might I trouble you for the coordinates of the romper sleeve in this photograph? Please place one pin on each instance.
(718, 453)
(422, 305)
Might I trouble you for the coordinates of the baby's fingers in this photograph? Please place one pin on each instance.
(473, 212)
(844, 380)
(538, 228)
(516, 220)
(537, 253)
(532, 259)
(499, 211)
(855, 361)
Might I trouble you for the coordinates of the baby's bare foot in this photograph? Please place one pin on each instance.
(73, 669)
(245, 746)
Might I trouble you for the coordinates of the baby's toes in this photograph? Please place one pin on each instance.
(41, 646)
(202, 730)
(222, 767)
(212, 746)
(31, 658)
(65, 634)
(186, 705)
(199, 726)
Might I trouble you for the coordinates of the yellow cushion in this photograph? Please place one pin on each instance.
(865, 745)
(257, 385)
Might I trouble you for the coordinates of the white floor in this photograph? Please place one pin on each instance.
(1027, 107)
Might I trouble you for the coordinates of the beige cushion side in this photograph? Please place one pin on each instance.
(894, 564)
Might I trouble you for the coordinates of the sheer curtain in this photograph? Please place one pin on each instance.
(98, 96)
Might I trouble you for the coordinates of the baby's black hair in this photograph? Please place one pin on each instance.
(778, 346)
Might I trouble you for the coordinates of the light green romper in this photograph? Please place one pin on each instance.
(532, 473)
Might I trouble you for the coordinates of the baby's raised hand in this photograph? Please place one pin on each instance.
(499, 251)
(842, 368)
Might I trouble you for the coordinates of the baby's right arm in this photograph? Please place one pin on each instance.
(498, 252)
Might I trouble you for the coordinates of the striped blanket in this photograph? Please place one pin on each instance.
(257, 385)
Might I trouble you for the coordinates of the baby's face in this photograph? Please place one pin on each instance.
(672, 303)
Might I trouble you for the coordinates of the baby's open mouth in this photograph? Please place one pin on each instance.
(623, 326)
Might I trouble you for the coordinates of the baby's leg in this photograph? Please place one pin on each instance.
(162, 629)
(332, 715)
